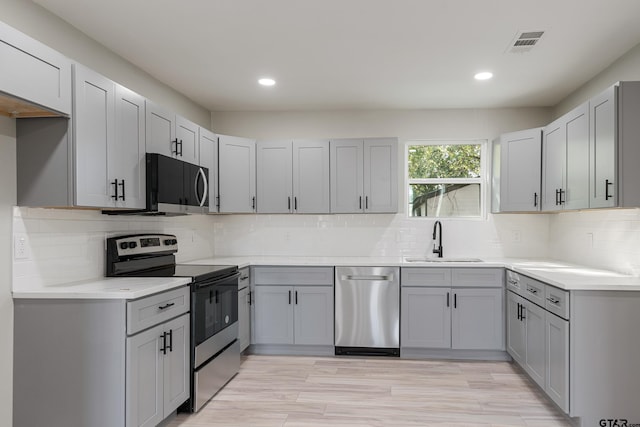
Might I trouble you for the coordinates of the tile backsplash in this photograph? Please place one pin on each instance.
(62, 246)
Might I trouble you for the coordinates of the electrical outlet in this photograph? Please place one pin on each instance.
(516, 236)
(20, 248)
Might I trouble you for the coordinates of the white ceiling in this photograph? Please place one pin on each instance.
(361, 54)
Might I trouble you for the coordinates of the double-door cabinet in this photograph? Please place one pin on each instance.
(293, 306)
(451, 308)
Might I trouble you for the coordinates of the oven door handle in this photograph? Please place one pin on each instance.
(217, 282)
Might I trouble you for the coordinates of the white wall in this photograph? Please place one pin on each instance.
(47, 28)
(626, 67)
(7, 200)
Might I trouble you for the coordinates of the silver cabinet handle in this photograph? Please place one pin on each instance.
(373, 277)
(202, 175)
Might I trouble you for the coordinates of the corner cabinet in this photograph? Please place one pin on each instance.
(34, 74)
(171, 135)
(292, 176)
(364, 175)
(452, 312)
(237, 174)
(293, 310)
(517, 171)
(101, 362)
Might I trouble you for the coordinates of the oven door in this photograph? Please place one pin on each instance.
(215, 307)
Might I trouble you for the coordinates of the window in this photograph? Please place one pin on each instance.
(445, 179)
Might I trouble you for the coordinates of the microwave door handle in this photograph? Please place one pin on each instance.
(206, 187)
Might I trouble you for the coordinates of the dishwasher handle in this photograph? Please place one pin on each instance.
(373, 277)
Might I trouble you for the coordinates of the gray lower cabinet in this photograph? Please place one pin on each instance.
(456, 309)
(101, 363)
(157, 381)
(293, 308)
(538, 334)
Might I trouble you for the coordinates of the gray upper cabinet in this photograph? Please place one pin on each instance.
(565, 165)
(615, 153)
(208, 147)
(171, 135)
(35, 73)
(292, 176)
(311, 180)
(364, 175)
(518, 171)
(274, 174)
(237, 174)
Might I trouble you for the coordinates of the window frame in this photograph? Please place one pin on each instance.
(483, 180)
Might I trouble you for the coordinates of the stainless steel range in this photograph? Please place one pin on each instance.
(215, 350)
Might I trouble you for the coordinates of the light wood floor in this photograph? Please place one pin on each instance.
(335, 391)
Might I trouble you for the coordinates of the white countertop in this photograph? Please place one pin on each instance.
(106, 288)
(560, 274)
(557, 273)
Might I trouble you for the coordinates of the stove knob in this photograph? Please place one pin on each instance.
(168, 242)
(124, 245)
(174, 242)
(132, 245)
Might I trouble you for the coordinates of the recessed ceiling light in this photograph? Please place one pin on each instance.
(485, 75)
(267, 82)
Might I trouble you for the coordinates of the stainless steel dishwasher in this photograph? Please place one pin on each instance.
(367, 311)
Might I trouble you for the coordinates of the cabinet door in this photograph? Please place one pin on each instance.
(274, 176)
(516, 341)
(126, 159)
(535, 355)
(381, 175)
(313, 315)
(94, 101)
(209, 159)
(244, 319)
(521, 170)
(557, 360)
(237, 174)
(477, 319)
(577, 175)
(311, 176)
(188, 141)
(602, 122)
(33, 71)
(144, 378)
(273, 315)
(425, 317)
(160, 130)
(553, 165)
(346, 170)
(176, 364)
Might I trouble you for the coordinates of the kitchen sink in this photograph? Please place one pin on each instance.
(435, 260)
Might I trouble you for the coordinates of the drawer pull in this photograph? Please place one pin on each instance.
(167, 305)
(532, 290)
(513, 282)
(553, 300)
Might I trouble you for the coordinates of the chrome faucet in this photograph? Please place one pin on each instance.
(438, 249)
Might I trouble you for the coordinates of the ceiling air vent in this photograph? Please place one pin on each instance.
(524, 41)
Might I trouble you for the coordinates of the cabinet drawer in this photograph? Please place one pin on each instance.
(532, 290)
(292, 275)
(244, 279)
(146, 312)
(477, 277)
(425, 276)
(514, 282)
(557, 301)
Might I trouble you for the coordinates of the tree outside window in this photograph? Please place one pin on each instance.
(445, 179)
